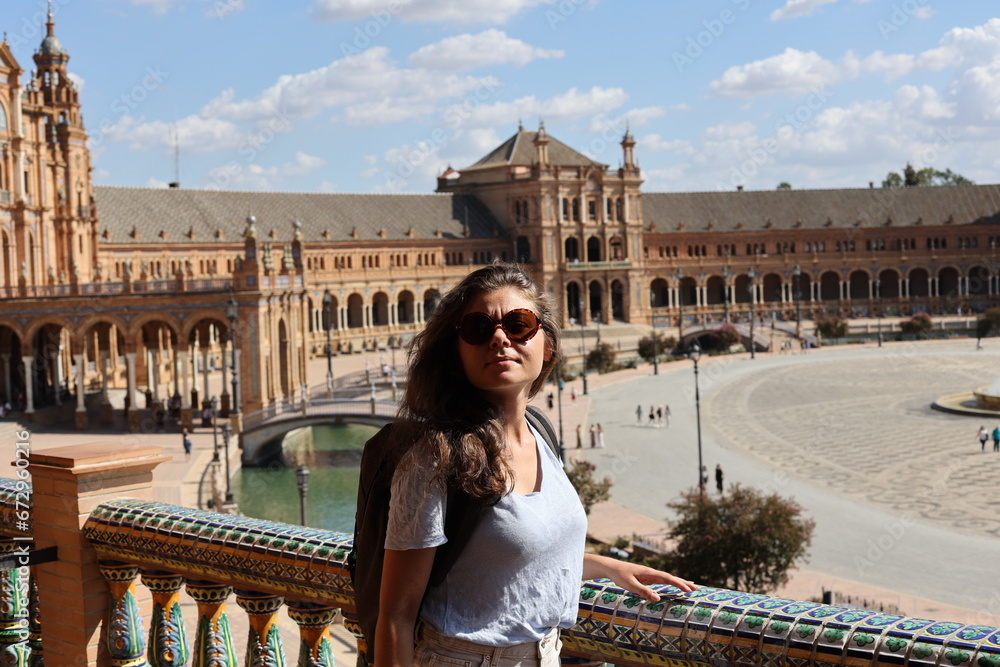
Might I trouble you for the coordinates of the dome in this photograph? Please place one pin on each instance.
(51, 46)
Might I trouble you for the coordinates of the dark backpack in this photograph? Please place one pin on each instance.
(371, 521)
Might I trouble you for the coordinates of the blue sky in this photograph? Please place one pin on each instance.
(382, 95)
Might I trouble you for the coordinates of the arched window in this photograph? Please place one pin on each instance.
(3, 119)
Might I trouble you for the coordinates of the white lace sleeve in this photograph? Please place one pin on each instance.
(417, 506)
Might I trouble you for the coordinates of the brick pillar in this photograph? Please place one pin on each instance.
(67, 483)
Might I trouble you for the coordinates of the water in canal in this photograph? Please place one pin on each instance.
(333, 454)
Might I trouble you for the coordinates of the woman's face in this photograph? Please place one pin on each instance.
(502, 368)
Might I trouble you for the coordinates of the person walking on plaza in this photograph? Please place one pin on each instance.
(600, 437)
(703, 482)
(579, 436)
(984, 435)
(996, 439)
(638, 415)
(718, 477)
(593, 436)
(659, 415)
(666, 414)
(187, 445)
(652, 416)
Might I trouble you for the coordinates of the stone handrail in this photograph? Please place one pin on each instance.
(711, 625)
(269, 565)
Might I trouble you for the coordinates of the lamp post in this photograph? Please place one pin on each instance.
(227, 434)
(302, 481)
(327, 311)
(214, 405)
(878, 308)
(751, 274)
(694, 355)
(583, 351)
(725, 293)
(232, 314)
(680, 307)
(798, 301)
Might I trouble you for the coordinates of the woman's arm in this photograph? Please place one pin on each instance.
(631, 576)
(404, 580)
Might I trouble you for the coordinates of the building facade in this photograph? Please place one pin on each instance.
(155, 290)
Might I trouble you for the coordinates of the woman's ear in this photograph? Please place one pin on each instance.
(549, 351)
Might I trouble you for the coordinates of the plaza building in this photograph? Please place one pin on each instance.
(151, 291)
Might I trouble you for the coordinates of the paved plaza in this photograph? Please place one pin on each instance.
(902, 495)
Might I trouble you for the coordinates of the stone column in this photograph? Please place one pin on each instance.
(204, 374)
(185, 375)
(81, 408)
(69, 482)
(132, 411)
(5, 358)
(58, 372)
(29, 377)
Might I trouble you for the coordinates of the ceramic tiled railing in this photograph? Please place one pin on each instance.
(269, 565)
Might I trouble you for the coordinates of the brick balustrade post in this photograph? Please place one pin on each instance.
(67, 483)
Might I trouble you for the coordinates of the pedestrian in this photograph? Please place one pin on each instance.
(187, 444)
(666, 414)
(593, 436)
(579, 436)
(659, 415)
(979, 344)
(984, 435)
(718, 477)
(469, 428)
(703, 480)
(600, 436)
(996, 439)
(652, 415)
(638, 415)
(551, 399)
(572, 393)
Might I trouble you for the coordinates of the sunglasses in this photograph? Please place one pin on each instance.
(520, 325)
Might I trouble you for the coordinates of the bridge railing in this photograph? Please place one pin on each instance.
(318, 407)
(125, 543)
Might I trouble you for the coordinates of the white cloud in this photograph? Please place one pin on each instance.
(791, 72)
(632, 118)
(362, 79)
(195, 134)
(794, 9)
(465, 52)
(159, 7)
(425, 11)
(327, 187)
(256, 177)
(152, 182)
(563, 108)
(656, 143)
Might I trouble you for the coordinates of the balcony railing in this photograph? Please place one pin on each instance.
(272, 565)
(596, 266)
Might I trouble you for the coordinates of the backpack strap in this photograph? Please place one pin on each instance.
(542, 424)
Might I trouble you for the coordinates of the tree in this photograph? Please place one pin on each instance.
(784, 185)
(928, 176)
(832, 327)
(591, 491)
(743, 540)
(989, 323)
(662, 346)
(602, 358)
(723, 338)
(918, 324)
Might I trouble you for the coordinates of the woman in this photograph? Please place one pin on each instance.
(486, 350)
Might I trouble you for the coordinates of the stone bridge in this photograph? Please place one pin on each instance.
(761, 332)
(264, 430)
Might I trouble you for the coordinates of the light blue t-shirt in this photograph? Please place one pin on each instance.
(518, 576)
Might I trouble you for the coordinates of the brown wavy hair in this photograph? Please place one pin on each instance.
(441, 410)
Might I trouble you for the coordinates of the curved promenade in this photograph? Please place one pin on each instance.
(903, 498)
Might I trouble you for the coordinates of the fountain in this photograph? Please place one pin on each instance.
(983, 401)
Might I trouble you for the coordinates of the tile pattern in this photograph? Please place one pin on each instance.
(710, 626)
(718, 627)
(15, 496)
(275, 558)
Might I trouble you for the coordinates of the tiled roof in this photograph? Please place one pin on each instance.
(519, 150)
(812, 209)
(178, 211)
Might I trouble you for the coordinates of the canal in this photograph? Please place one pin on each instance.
(333, 454)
